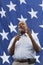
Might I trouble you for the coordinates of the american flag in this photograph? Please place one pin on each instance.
(11, 13)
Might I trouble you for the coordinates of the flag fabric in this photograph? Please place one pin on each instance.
(11, 13)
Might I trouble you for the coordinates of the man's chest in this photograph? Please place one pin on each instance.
(24, 41)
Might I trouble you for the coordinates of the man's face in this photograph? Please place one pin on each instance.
(22, 27)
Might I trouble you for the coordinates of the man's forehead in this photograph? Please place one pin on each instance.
(22, 23)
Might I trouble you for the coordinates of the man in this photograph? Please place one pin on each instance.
(24, 47)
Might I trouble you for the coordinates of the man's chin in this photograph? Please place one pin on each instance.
(22, 32)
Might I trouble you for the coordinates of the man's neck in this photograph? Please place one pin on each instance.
(21, 33)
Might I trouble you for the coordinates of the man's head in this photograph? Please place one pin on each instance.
(22, 27)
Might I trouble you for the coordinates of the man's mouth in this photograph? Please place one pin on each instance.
(21, 29)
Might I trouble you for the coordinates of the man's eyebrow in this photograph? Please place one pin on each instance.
(21, 23)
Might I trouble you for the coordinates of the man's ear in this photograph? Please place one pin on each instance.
(28, 30)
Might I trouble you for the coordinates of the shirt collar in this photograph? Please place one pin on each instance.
(25, 34)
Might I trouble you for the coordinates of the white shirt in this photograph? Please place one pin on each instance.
(24, 48)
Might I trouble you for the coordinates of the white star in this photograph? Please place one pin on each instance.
(33, 13)
(12, 27)
(2, 13)
(41, 5)
(34, 34)
(22, 1)
(11, 6)
(35, 37)
(42, 48)
(4, 35)
(37, 59)
(22, 19)
(41, 26)
(5, 58)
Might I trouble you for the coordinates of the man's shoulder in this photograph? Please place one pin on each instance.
(17, 37)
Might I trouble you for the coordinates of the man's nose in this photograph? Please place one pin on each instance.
(21, 25)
